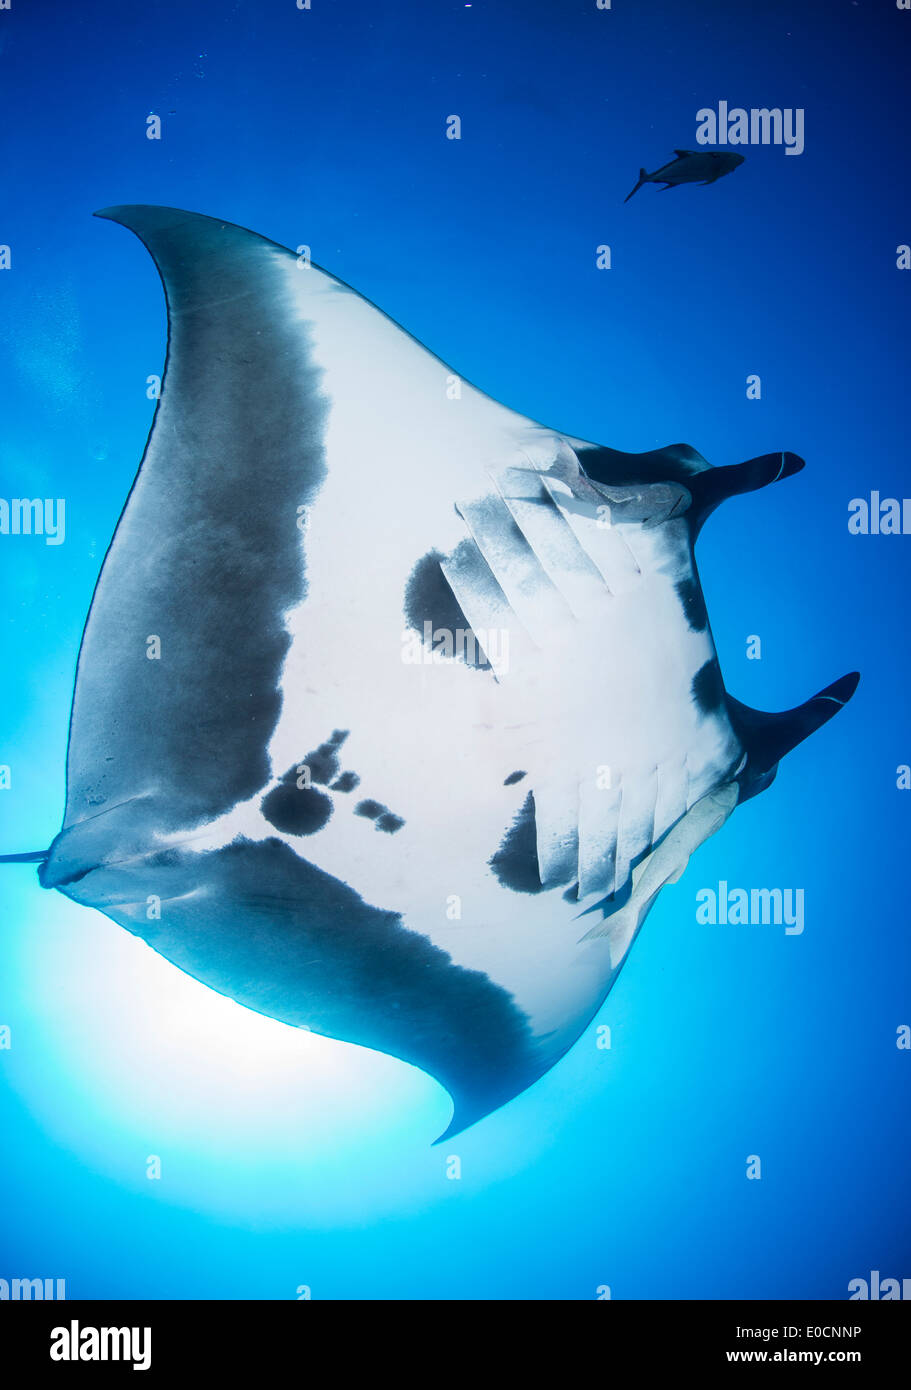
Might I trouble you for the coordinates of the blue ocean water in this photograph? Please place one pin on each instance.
(290, 1163)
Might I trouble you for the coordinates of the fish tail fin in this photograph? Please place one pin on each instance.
(642, 178)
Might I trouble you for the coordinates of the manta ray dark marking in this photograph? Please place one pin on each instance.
(691, 598)
(516, 861)
(308, 497)
(297, 810)
(431, 608)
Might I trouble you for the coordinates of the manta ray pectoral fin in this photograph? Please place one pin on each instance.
(715, 485)
(259, 924)
(236, 451)
(768, 737)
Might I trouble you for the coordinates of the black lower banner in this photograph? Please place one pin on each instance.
(103, 1338)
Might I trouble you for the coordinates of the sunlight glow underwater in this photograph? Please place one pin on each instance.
(244, 1112)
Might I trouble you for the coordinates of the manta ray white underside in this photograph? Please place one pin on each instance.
(434, 709)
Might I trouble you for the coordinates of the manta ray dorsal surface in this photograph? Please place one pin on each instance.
(399, 705)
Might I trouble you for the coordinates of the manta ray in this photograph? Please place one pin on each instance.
(690, 166)
(394, 709)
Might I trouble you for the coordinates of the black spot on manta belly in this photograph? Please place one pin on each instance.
(323, 761)
(383, 818)
(689, 592)
(513, 778)
(429, 599)
(345, 782)
(708, 687)
(516, 861)
(296, 810)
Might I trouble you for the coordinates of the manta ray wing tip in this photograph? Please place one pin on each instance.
(144, 218)
(455, 1126)
(113, 214)
(469, 1110)
(842, 689)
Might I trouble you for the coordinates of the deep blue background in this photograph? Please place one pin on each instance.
(287, 1160)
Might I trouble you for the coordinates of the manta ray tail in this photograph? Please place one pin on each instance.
(35, 856)
(643, 177)
(768, 737)
(715, 485)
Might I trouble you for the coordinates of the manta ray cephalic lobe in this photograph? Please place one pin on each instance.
(436, 709)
